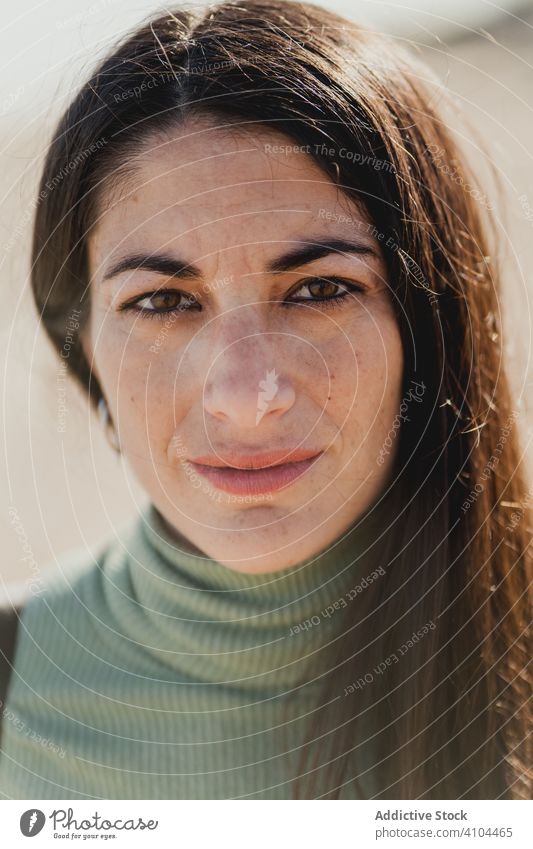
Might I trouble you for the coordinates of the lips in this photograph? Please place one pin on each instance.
(255, 461)
(255, 474)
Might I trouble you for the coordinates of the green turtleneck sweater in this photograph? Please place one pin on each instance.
(152, 671)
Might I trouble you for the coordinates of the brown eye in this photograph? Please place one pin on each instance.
(325, 291)
(323, 288)
(163, 301)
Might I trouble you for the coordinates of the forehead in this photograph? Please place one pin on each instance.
(222, 187)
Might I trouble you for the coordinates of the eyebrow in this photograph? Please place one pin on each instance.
(160, 263)
(302, 254)
(316, 249)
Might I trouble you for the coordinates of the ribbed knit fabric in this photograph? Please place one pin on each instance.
(156, 672)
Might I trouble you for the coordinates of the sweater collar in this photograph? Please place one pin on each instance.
(184, 570)
(217, 625)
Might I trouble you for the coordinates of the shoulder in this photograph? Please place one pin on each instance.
(61, 598)
(24, 609)
(73, 600)
(39, 615)
(69, 615)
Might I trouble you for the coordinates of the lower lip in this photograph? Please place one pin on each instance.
(255, 481)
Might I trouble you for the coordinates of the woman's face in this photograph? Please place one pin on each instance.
(240, 308)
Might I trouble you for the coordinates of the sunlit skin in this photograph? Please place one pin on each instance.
(186, 383)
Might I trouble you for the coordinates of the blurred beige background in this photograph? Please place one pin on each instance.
(68, 490)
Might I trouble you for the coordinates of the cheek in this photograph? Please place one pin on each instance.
(367, 384)
(140, 389)
(366, 365)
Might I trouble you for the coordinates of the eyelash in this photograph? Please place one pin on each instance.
(332, 302)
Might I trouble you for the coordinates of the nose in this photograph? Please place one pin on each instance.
(247, 384)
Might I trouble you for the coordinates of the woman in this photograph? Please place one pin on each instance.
(289, 323)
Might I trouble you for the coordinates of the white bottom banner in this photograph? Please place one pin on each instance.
(262, 824)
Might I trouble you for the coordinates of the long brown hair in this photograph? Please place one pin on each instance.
(451, 718)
